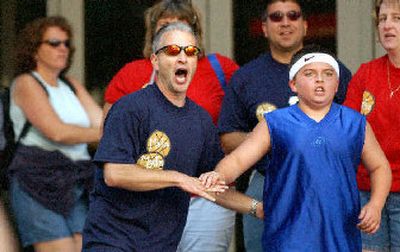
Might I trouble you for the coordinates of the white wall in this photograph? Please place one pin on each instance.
(73, 11)
(217, 21)
(356, 33)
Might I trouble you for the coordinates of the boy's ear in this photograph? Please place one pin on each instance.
(292, 85)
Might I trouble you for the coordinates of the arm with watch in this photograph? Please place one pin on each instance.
(240, 203)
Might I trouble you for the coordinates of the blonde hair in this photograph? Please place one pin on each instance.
(378, 4)
(183, 10)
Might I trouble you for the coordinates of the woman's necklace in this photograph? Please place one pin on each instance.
(392, 92)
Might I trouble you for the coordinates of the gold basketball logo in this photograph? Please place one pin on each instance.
(368, 103)
(158, 147)
(151, 161)
(263, 109)
(159, 142)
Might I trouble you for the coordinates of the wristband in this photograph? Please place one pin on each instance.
(253, 208)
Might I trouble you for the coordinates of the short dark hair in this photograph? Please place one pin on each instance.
(269, 2)
(312, 48)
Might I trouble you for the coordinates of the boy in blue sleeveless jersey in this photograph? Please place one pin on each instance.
(311, 199)
(155, 143)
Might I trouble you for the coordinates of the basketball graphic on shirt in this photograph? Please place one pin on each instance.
(151, 161)
(159, 142)
(368, 103)
(263, 109)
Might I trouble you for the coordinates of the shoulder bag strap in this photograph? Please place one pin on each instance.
(28, 124)
(217, 69)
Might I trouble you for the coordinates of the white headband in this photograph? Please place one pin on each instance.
(311, 58)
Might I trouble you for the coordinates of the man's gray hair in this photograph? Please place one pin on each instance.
(175, 26)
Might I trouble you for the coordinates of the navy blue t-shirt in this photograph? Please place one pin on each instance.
(259, 87)
(145, 128)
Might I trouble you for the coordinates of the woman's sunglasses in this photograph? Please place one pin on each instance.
(278, 16)
(174, 50)
(56, 42)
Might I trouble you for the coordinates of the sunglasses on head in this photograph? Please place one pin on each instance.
(174, 50)
(57, 42)
(278, 16)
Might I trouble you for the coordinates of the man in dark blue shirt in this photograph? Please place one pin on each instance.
(155, 143)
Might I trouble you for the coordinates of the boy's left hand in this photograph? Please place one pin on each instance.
(370, 218)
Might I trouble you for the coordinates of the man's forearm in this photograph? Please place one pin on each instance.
(240, 203)
(134, 178)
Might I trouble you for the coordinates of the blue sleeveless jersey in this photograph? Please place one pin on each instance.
(311, 199)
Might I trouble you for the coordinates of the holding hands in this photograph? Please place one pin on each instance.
(212, 179)
(198, 187)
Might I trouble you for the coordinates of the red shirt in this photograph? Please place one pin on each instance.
(369, 93)
(205, 89)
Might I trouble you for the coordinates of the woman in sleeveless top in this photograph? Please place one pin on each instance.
(51, 170)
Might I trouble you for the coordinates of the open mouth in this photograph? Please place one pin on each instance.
(181, 75)
(319, 90)
(181, 72)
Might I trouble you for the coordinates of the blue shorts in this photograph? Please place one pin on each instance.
(36, 223)
(387, 238)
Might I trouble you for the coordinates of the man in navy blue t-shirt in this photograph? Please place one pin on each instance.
(155, 143)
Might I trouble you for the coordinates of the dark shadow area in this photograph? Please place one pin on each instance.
(114, 36)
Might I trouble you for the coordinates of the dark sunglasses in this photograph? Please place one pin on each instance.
(174, 50)
(56, 42)
(278, 16)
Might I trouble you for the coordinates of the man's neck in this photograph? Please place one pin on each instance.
(176, 99)
(283, 56)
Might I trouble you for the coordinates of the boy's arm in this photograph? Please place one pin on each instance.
(378, 166)
(241, 159)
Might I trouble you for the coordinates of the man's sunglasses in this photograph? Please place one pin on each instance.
(174, 50)
(56, 42)
(278, 16)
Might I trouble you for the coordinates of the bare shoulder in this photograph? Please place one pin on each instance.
(24, 78)
(25, 82)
